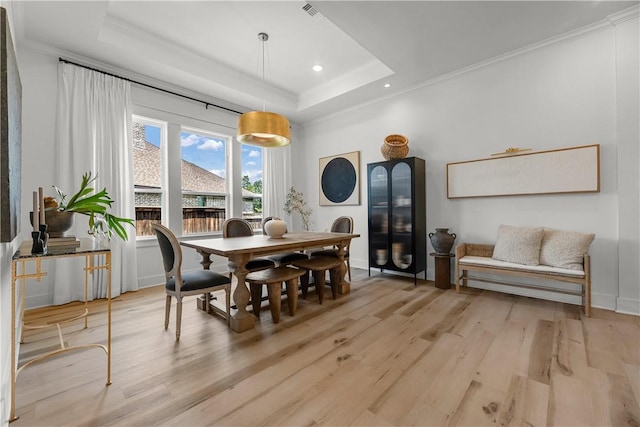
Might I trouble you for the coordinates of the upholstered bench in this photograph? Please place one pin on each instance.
(539, 253)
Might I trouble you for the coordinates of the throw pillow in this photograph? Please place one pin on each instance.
(520, 245)
(564, 249)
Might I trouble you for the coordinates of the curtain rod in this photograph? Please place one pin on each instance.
(206, 104)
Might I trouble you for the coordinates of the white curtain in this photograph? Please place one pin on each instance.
(276, 181)
(94, 134)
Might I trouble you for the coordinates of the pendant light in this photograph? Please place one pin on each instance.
(263, 128)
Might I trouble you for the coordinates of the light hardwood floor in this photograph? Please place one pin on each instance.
(388, 354)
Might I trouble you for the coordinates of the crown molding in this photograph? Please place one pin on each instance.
(624, 15)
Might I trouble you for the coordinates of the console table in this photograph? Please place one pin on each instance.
(97, 257)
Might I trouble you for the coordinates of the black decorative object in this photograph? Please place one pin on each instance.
(39, 247)
(442, 241)
(340, 179)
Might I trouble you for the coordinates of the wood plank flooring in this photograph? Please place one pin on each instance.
(388, 354)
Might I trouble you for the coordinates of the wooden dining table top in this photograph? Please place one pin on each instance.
(259, 244)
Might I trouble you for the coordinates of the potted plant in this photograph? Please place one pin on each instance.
(295, 203)
(93, 204)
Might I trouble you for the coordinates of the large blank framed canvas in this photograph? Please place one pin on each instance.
(564, 170)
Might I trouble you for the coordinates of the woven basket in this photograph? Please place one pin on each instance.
(395, 147)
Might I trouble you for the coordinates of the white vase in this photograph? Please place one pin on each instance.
(275, 228)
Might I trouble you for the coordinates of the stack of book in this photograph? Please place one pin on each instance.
(66, 241)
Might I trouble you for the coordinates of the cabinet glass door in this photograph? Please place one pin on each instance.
(401, 248)
(379, 199)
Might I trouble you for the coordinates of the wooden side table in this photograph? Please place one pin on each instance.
(443, 270)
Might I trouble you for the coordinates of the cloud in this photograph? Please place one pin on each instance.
(254, 153)
(187, 140)
(211, 144)
(251, 163)
(219, 172)
(254, 175)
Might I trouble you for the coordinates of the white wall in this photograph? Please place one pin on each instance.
(559, 95)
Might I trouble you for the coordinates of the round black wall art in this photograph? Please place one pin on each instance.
(338, 180)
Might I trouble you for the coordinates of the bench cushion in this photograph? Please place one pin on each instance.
(564, 249)
(494, 263)
(519, 245)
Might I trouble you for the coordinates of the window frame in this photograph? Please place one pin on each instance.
(171, 167)
(163, 125)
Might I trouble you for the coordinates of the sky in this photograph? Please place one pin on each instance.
(209, 153)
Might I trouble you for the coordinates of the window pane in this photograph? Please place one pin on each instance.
(204, 189)
(147, 174)
(252, 185)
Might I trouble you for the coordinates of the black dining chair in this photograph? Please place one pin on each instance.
(180, 284)
(343, 224)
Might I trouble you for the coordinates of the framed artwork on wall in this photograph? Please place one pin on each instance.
(10, 134)
(340, 179)
(563, 170)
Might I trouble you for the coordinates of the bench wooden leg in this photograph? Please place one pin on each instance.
(275, 300)
(304, 283)
(319, 279)
(292, 295)
(256, 298)
(461, 276)
(334, 276)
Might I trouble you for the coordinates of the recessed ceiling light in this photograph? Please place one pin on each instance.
(318, 68)
(387, 85)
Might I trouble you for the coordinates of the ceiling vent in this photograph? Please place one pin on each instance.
(312, 11)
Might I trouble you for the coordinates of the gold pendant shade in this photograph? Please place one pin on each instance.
(263, 129)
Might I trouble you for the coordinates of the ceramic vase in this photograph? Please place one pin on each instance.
(275, 228)
(58, 222)
(442, 241)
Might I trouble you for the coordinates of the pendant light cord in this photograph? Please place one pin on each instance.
(263, 37)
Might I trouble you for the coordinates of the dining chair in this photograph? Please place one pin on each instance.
(180, 284)
(342, 224)
(238, 227)
(284, 258)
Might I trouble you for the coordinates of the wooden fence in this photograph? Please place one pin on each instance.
(194, 220)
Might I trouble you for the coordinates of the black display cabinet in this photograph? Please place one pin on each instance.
(397, 216)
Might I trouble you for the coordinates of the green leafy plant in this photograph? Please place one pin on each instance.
(95, 205)
(295, 203)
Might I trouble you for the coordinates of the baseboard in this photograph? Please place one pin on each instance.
(628, 306)
(604, 301)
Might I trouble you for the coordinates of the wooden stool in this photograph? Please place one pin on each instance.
(273, 278)
(319, 266)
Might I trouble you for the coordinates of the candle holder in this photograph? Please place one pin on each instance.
(44, 235)
(38, 247)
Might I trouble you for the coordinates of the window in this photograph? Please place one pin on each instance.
(182, 176)
(252, 184)
(148, 138)
(204, 187)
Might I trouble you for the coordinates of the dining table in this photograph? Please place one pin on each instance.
(239, 250)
